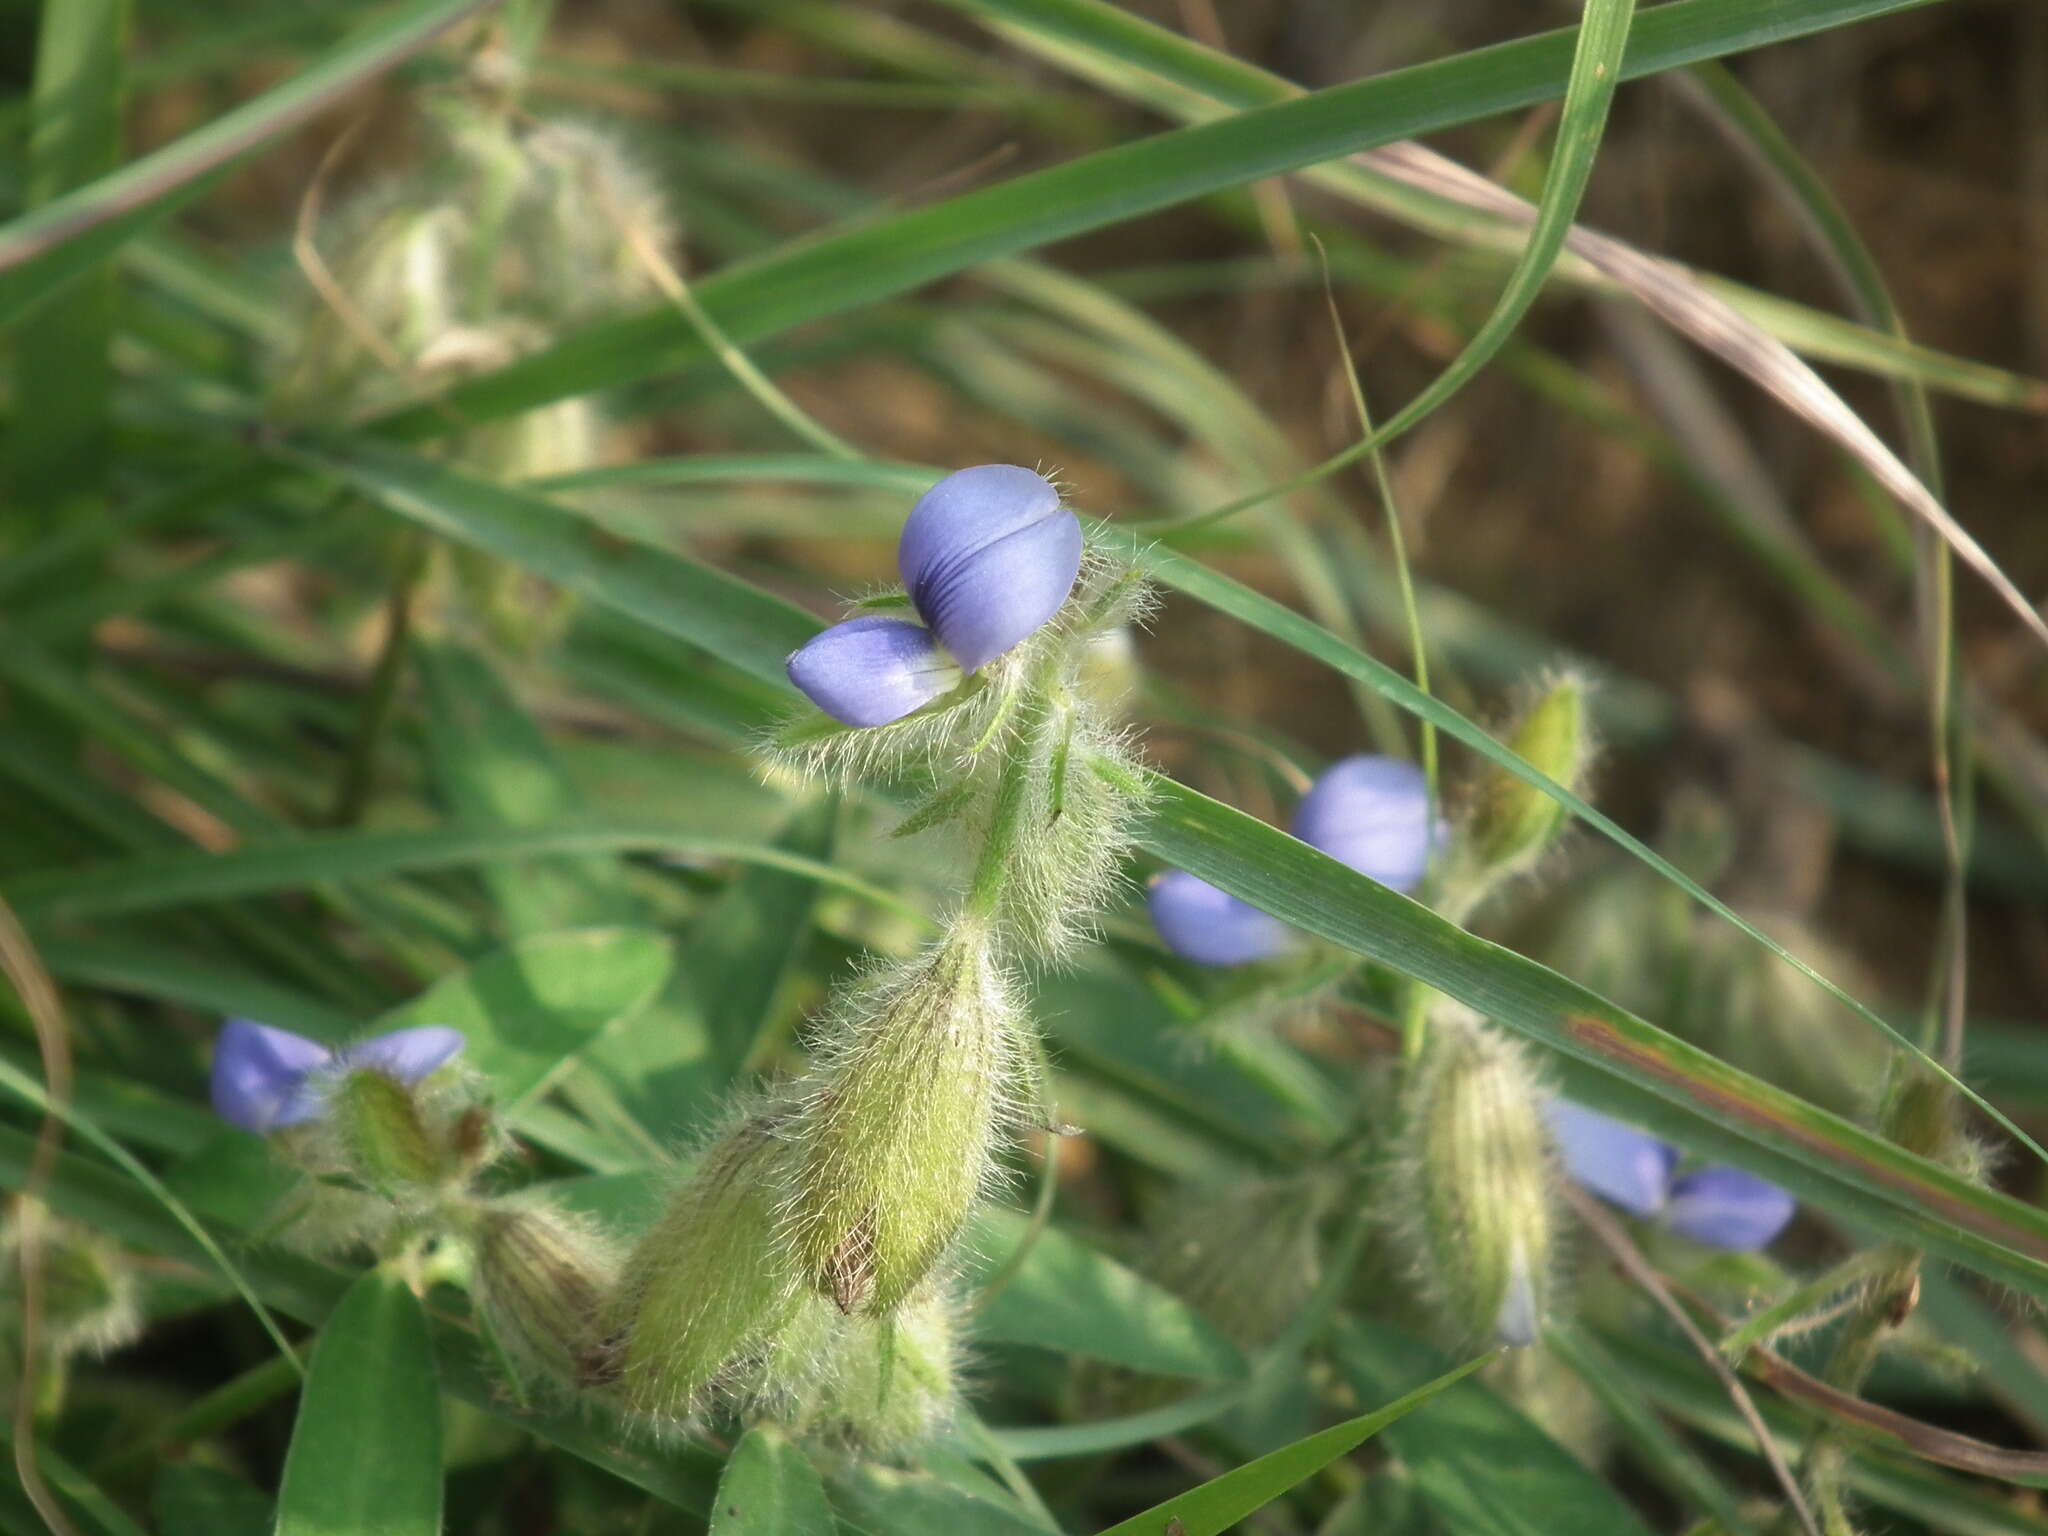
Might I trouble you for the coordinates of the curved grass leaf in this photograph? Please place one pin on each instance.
(365, 1457)
(1282, 623)
(769, 1488)
(1219, 1504)
(1641, 1072)
(877, 259)
(42, 251)
(880, 1501)
(529, 1010)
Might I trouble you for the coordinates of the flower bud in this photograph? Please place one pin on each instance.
(709, 1285)
(872, 670)
(987, 556)
(541, 1281)
(1198, 922)
(1514, 822)
(1719, 1206)
(1725, 1207)
(1373, 814)
(890, 1386)
(896, 1130)
(1617, 1162)
(90, 1301)
(1474, 1185)
(379, 1123)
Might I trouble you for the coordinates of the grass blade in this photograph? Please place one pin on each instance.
(43, 251)
(1220, 1503)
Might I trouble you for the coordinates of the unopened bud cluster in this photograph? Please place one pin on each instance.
(511, 234)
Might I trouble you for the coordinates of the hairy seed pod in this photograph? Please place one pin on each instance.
(90, 1299)
(896, 1130)
(1473, 1186)
(709, 1286)
(892, 1386)
(378, 1122)
(541, 1281)
(1514, 823)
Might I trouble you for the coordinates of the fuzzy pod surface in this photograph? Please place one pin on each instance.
(896, 1131)
(710, 1284)
(541, 1280)
(1474, 1181)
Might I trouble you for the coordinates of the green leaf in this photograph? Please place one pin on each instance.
(880, 1501)
(528, 1010)
(177, 879)
(769, 1488)
(1483, 1467)
(44, 250)
(365, 1457)
(1070, 1297)
(62, 356)
(879, 258)
(190, 1499)
(496, 769)
(1220, 1503)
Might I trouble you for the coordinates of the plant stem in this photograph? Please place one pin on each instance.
(380, 703)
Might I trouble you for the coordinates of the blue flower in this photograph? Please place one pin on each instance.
(1617, 1162)
(988, 555)
(1727, 1208)
(1373, 814)
(1720, 1206)
(872, 670)
(267, 1079)
(1198, 922)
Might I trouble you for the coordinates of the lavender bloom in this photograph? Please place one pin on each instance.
(1617, 1162)
(988, 555)
(1727, 1208)
(872, 670)
(267, 1079)
(1373, 814)
(1720, 1206)
(1211, 927)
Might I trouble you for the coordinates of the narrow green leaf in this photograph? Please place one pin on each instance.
(1483, 1467)
(62, 356)
(176, 879)
(1220, 1503)
(1261, 612)
(769, 1488)
(528, 1010)
(1070, 1297)
(876, 259)
(365, 1457)
(1636, 1070)
(44, 250)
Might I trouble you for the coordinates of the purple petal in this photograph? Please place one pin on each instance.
(1373, 814)
(988, 555)
(871, 670)
(406, 1054)
(1212, 927)
(1727, 1208)
(1617, 1162)
(257, 1071)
